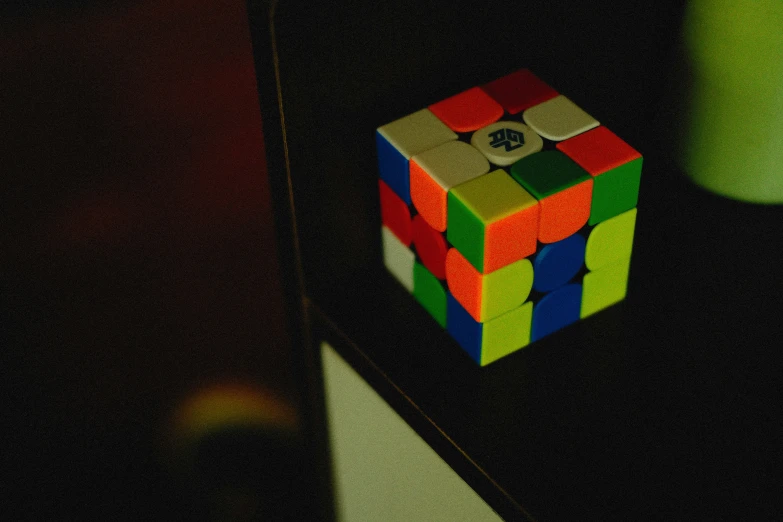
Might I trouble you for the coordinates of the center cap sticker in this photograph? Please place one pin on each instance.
(505, 142)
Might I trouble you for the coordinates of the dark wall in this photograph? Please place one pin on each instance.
(138, 260)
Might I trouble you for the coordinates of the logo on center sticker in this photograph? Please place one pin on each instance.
(508, 138)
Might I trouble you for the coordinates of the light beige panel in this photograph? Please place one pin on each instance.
(383, 471)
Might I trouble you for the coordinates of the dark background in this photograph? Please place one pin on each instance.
(667, 406)
(138, 265)
(351, 67)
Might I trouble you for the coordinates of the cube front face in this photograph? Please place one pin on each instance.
(508, 212)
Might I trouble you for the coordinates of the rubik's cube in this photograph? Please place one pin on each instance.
(508, 212)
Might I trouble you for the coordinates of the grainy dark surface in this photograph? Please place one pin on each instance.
(664, 407)
(138, 264)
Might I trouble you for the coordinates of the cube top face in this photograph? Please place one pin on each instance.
(559, 119)
(468, 111)
(508, 212)
(416, 133)
(506, 142)
(434, 172)
(547, 173)
(452, 163)
(399, 140)
(598, 150)
(519, 90)
(493, 221)
(493, 196)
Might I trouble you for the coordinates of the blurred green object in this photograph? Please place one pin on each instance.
(733, 138)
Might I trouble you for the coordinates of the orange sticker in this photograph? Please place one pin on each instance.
(510, 238)
(468, 111)
(428, 197)
(565, 212)
(464, 283)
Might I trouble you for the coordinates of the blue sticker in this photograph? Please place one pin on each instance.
(465, 330)
(556, 310)
(556, 263)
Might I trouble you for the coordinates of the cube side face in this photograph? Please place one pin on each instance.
(430, 293)
(611, 241)
(465, 283)
(393, 168)
(398, 141)
(395, 214)
(528, 235)
(466, 231)
(604, 287)
(431, 247)
(511, 238)
(486, 296)
(428, 196)
(557, 263)
(398, 259)
(615, 191)
(565, 212)
(507, 333)
(495, 221)
(506, 289)
(556, 310)
(464, 329)
(487, 342)
(434, 172)
(616, 168)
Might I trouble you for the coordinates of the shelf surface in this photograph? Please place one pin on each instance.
(664, 406)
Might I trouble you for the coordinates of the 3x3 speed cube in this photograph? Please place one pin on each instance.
(508, 212)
